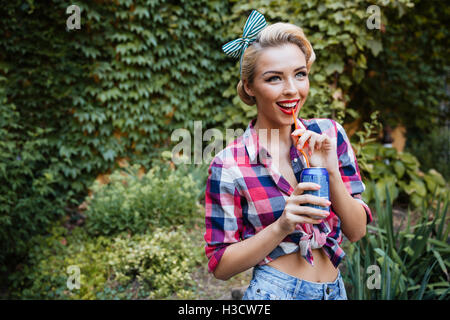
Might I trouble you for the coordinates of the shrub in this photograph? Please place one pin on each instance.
(161, 197)
(156, 265)
(161, 263)
(400, 172)
(433, 149)
(198, 172)
(45, 274)
(413, 261)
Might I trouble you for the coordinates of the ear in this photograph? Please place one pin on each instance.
(247, 88)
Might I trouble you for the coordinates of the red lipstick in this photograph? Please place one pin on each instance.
(288, 110)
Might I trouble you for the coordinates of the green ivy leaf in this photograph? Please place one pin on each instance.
(109, 155)
(375, 46)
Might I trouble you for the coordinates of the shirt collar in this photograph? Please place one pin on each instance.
(251, 140)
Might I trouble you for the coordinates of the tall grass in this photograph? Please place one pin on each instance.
(413, 262)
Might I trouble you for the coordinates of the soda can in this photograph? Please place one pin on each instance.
(320, 177)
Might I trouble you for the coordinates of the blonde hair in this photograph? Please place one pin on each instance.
(273, 35)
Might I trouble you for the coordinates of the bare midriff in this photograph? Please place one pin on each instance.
(297, 266)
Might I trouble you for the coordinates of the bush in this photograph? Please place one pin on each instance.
(45, 274)
(400, 173)
(198, 172)
(156, 265)
(161, 263)
(432, 149)
(161, 197)
(149, 256)
(413, 262)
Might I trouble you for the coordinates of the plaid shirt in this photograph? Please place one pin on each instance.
(245, 193)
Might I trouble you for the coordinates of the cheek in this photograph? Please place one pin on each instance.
(303, 90)
(270, 93)
(304, 87)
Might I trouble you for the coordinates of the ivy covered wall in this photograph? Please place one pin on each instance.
(73, 102)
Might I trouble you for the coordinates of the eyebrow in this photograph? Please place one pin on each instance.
(278, 72)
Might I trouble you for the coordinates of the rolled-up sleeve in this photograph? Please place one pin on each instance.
(223, 213)
(349, 170)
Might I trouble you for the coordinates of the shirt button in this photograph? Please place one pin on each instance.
(295, 160)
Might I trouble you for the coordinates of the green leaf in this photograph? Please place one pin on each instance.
(425, 280)
(441, 263)
(409, 159)
(319, 78)
(375, 46)
(361, 61)
(334, 67)
(437, 177)
(109, 155)
(419, 187)
(399, 168)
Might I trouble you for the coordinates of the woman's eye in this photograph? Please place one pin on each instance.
(270, 79)
(302, 73)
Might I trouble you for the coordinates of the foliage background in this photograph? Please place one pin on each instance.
(75, 104)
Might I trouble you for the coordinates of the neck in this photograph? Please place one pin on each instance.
(273, 141)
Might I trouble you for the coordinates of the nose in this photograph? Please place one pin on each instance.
(289, 88)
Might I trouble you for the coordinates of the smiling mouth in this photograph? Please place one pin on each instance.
(288, 107)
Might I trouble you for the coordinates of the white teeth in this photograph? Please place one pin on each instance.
(288, 105)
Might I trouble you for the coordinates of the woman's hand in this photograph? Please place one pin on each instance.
(294, 213)
(320, 148)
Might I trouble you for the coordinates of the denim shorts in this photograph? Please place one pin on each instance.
(269, 283)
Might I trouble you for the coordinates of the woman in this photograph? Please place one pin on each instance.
(253, 197)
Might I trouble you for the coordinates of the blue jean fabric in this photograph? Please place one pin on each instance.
(271, 284)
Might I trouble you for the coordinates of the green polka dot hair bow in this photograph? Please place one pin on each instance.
(255, 23)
